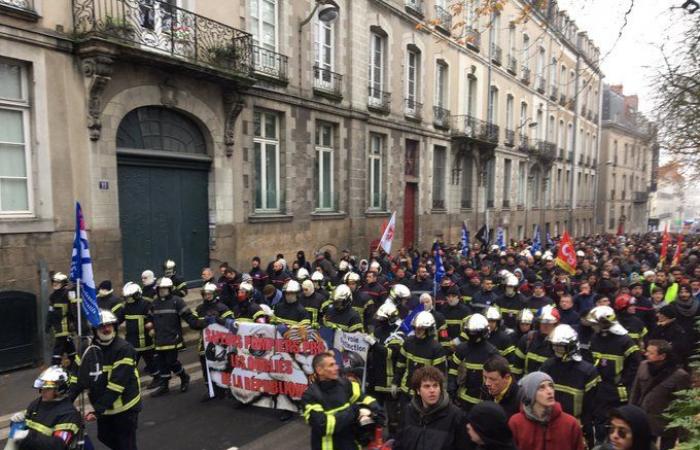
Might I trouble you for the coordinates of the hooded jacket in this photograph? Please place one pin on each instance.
(491, 424)
(440, 427)
(636, 418)
(560, 432)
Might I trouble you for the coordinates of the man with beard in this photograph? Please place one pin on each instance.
(687, 309)
(470, 289)
(422, 281)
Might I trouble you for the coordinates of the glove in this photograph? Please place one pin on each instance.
(20, 434)
(211, 320)
(17, 417)
(370, 339)
(394, 390)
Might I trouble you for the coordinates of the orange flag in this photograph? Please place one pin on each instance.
(566, 256)
(677, 254)
(664, 247)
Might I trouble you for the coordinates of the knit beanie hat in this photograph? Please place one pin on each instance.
(529, 385)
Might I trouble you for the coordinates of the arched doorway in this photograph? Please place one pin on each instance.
(163, 168)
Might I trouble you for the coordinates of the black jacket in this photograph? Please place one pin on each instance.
(167, 314)
(312, 304)
(575, 385)
(417, 353)
(137, 314)
(510, 307)
(291, 314)
(442, 427)
(466, 370)
(344, 398)
(510, 402)
(343, 319)
(56, 416)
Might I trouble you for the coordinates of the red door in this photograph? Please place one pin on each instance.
(409, 214)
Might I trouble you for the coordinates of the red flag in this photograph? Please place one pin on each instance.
(677, 254)
(664, 247)
(566, 256)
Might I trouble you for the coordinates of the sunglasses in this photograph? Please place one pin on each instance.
(622, 432)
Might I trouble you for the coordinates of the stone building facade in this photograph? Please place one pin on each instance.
(629, 158)
(216, 131)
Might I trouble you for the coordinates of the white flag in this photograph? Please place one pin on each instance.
(388, 236)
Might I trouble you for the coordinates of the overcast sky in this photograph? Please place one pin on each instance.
(633, 59)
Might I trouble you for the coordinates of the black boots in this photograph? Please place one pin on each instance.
(162, 389)
(184, 381)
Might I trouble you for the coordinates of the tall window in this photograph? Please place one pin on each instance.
(522, 182)
(439, 177)
(571, 87)
(551, 129)
(511, 41)
(324, 50)
(570, 137)
(560, 134)
(509, 112)
(14, 139)
(523, 118)
(525, 50)
(376, 66)
(324, 166)
(553, 73)
(471, 96)
(376, 150)
(441, 84)
(493, 113)
(263, 23)
(507, 169)
(490, 182)
(267, 161)
(562, 80)
(412, 77)
(467, 180)
(496, 29)
(540, 62)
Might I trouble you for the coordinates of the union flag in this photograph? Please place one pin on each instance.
(566, 256)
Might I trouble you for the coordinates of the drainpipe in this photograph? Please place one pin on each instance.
(572, 196)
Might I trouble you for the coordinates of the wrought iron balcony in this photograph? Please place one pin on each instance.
(443, 19)
(378, 100)
(544, 150)
(562, 99)
(472, 38)
(506, 203)
(539, 83)
(415, 6)
(438, 203)
(441, 118)
(553, 92)
(510, 138)
(413, 109)
(524, 145)
(328, 82)
(640, 197)
(23, 9)
(525, 75)
(465, 203)
(164, 30)
(466, 126)
(269, 64)
(512, 66)
(496, 54)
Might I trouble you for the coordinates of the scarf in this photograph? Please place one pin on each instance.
(687, 308)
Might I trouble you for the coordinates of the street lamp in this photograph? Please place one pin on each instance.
(327, 12)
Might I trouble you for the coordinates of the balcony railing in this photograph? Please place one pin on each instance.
(21, 4)
(525, 75)
(415, 6)
(378, 100)
(328, 82)
(164, 29)
(562, 99)
(473, 128)
(443, 19)
(539, 83)
(553, 92)
(524, 145)
(496, 54)
(510, 138)
(544, 150)
(269, 64)
(438, 203)
(465, 203)
(413, 109)
(472, 38)
(512, 65)
(640, 197)
(441, 117)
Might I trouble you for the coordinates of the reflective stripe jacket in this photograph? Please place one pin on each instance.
(346, 319)
(167, 315)
(179, 286)
(454, 316)
(466, 370)
(510, 307)
(136, 314)
(330, 408)
(382, 357)
(417, 353)
(61, 315)
(291, 314)
(364, 304)
(575, 386)
(247, 311)
(312, 305)
(617, 358)
(44, 419)
(533, 349)
(110, 375)
(504, 339)
(209, 308)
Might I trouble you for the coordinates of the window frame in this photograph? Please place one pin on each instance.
(321, 150)
(412, 95)
(439, 178)
(257, 17)
(320, 44)
(261, 172)
(372, 157)
(375, 93)
(24, 106)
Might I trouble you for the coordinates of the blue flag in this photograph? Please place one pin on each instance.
(536, 244)
(501, 238)
(465, 240)
(439, 267)
(81, 269)
(406, 326)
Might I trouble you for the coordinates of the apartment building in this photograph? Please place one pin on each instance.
(210, 131)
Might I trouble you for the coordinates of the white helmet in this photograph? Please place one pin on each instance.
(302, 274)
(59, 277)
(317, 276)
(246, 287)
(565, 342)
(602, 318)
(343, 265)
(54, 377)
(147, 277)
(493, 313)
(209, 288)
(399, 292)
(342, 297)
(131, 289)
(476, 327)
(292, 286)
(351, 276)
(387, 311)
(164, 282)
(548, 314)
(106, 318)
(424, 319)
(512, 281)
(526, 316)
(169, 267)
(375, 267)
(307, 286)
(266, 310)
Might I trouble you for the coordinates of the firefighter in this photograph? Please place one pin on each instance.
(290, 313)
(138, 320)
(533, 348)
(626, 307)
(51, 422)
(575, 379)
(207, 313)
(524, 323)
(107, 370)
(362, 301)
(341, 315)
(61, 319)
(168, 312)
(500, 336)
(465, 378)
(617, 358)
(420, 349)
(246, 309)
(311, 301)
(106, 299)
(511, 302)
(148, 285)
(455, 311)
(400, 296)
(179, 284)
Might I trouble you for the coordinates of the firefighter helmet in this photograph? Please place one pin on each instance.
(565, 344)
(476, 327)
